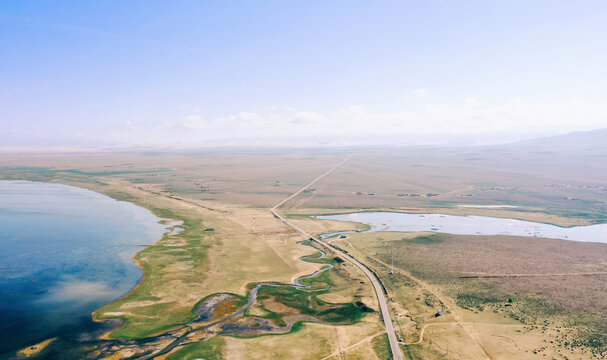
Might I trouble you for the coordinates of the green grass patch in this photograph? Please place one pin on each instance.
(322, 280)
(381, 346)
(425, 239)
(309, 304)
(211, 349)
(479, 295)
(274, 317)
(155, 259)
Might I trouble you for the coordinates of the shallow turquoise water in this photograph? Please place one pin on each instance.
(64, 252)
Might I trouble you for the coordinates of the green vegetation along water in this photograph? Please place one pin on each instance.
(64, 252)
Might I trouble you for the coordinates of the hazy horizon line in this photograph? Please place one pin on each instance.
(295, 143)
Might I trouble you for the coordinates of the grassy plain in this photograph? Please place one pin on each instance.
(225, 246)
(561, 188)
(556, 286)
(231, 240)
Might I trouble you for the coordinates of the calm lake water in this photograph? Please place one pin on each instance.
(64, 252)
(471, 225)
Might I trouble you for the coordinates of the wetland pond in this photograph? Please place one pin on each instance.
(64, 252)
(470, 225)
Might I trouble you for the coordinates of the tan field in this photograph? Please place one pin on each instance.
(231, 240)
(556, 285)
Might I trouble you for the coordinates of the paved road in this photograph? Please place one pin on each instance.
(396, 354)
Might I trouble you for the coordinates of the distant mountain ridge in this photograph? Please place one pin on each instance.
(579, 140)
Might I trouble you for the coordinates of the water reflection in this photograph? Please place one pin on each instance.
(76, 292)
(64, 252)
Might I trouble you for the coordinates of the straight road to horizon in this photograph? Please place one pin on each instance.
(396, 354)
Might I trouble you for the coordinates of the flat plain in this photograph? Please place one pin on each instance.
(231, 242)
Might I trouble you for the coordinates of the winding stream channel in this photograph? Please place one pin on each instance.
(203, 310)
(206, 324)
(378, 221)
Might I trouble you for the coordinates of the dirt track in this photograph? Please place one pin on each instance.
(467, 327)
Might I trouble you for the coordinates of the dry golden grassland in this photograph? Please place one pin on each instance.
(542, 185)
(557, 287)
(231, 240)
(224, 247)
(246, 245)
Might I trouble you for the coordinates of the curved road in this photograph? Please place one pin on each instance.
(396, 354)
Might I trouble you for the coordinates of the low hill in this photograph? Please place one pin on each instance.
(591, 141)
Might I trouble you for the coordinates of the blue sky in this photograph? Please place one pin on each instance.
(337, 72)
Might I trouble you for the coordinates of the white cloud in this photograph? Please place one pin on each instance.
(419, 93)
(130, 124)
(191, 122)
(509, 121)
(309, 118)
(471, 102)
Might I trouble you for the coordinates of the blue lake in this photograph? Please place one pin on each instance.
(64, 252)
(471, 225)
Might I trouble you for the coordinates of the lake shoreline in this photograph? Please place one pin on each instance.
(469, 225)
(103, 265)
(476, 211)
(171, 224)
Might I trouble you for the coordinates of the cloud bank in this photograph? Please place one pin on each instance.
(469, 123)
(433, 124)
